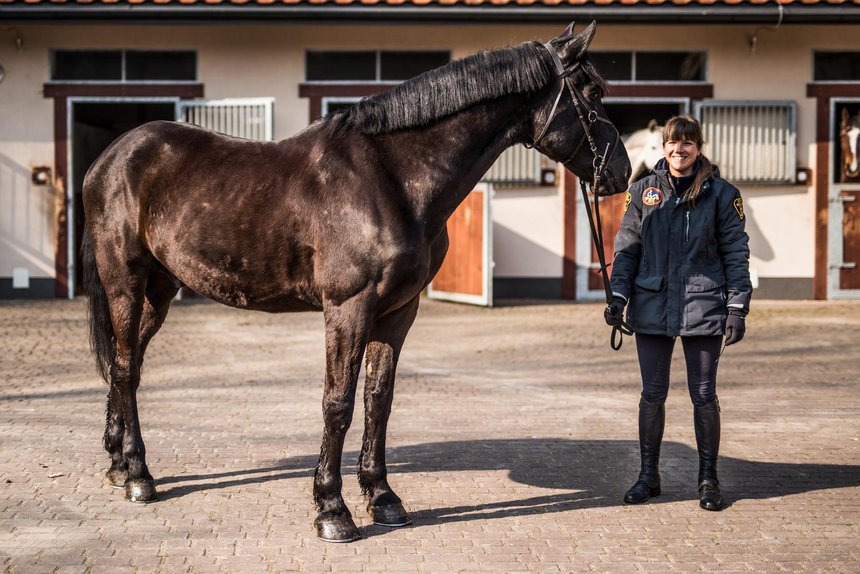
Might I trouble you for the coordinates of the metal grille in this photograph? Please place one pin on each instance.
(752, 142)
(249, 118)
(516, 165)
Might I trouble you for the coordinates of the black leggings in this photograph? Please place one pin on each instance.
(702, 355)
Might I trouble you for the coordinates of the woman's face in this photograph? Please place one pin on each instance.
(681, 155)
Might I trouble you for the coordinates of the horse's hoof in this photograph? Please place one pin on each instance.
(140, 490)
(391, 515)
(336, 529)
(116, 478)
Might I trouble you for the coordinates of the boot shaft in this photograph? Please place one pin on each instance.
(652, 420)
(706, 421)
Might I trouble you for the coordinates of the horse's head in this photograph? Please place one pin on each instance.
(850, 131)
(644, 148)
(570, 124)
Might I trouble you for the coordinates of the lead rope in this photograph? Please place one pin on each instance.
(616, 339)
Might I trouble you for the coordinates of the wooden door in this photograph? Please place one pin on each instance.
(466, 274)
(611, 212)
(849, 274)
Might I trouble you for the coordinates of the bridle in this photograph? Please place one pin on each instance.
(587, 120)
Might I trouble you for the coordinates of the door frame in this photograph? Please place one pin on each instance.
(487, 265)
(836, 212)
(70, 180)
(60, 92)
(582, 227)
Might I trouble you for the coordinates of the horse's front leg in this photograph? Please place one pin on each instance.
(383, 350)
(346, 328)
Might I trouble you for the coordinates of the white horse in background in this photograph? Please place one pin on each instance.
(645, 148)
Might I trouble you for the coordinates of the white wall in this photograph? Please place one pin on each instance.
(260, 60)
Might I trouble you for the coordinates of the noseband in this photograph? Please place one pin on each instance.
(598, 163)
(587, 120)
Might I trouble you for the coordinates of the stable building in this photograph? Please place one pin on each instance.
(776, 85)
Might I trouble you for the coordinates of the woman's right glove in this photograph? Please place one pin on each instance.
(735, 326)
(614, 312)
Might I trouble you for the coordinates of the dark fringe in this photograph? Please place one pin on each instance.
(451, 88)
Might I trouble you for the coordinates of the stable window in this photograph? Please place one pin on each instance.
(836, 67)
(751, 141)
(370, 66)
(123, 65)
(643, 66)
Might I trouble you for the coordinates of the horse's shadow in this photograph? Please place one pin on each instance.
(594, 474)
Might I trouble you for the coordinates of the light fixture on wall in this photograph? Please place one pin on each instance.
(802, 176)
(548, 176)
(41, 175)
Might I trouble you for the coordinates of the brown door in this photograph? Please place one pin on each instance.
(849, 274)
(611, 212)
(466, 273)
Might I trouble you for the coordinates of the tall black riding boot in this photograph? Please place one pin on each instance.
(706, 420)
(652, 419)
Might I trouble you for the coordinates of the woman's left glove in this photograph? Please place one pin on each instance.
(735, 326)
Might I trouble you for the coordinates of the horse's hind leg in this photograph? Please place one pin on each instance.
(125, 287)
(383, 350)
(160, 291)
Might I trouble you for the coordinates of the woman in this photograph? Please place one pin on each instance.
(682, 270)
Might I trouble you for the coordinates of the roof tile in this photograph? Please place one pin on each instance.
(442, 3)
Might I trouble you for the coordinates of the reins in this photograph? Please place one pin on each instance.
(599, 165)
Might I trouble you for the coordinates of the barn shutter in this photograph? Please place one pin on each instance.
(751, 141)
(249, 118)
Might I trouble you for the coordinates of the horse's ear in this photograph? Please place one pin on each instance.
(652, 125)
(844, 117)
(575, 49)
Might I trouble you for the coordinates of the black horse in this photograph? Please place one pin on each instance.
(347, 217)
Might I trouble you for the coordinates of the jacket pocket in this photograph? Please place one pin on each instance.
(647, 309)
(705, 305)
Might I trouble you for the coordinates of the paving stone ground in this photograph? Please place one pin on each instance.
(512, 441)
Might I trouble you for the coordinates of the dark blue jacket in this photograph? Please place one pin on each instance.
(681, 266)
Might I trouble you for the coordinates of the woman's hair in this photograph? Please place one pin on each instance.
(680, 128)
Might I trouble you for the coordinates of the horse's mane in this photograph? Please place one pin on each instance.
(451, 88)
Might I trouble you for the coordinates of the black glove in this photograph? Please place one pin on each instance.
(735, 326)
(614, 312)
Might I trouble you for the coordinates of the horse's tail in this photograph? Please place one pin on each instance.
(102, 337)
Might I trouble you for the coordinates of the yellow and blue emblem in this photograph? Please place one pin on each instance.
(739, 206)
(652, 196)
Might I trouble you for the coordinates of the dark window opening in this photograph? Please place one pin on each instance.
(87, 65)
(613, 66)
(160, 66)
(404, 65)
(369, 66)
(123, 65)
(836, 66)
(670, 66)
(343, 66)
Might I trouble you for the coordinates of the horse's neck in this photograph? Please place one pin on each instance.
(446, 160)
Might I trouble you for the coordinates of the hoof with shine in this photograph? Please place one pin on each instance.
(391, 515)
(142, 491)
(336, 529)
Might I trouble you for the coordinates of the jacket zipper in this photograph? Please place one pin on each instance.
(687, 228)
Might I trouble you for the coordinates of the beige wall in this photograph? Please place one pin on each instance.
(252, 60)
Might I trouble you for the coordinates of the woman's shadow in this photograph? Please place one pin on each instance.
(595, 474)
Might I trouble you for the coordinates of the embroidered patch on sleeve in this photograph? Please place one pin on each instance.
(627, 201)
(652, 196)
(739, 206)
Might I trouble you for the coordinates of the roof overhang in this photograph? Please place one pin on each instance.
(615, 13)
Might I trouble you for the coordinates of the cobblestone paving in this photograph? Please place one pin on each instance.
(512, 441)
